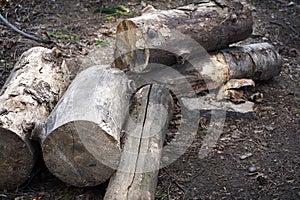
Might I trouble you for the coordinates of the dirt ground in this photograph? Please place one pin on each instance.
(267, 140)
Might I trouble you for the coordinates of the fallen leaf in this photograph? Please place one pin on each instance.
(245, 156)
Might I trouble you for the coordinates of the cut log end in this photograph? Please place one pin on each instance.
(128, 31)
(81, 145)
(17, 159)
(207, 25)
(35, 84)
(80, 153)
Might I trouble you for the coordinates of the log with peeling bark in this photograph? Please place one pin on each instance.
(206, 104)
(170, 36)
(36, 83)
(255, 61)
(81, 144)
(150, 115)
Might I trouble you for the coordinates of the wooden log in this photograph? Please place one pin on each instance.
(169, 36)
(81, 144)
(136, 177)
(206, 104)
(255, 61)
(259, 62)
(36, 83)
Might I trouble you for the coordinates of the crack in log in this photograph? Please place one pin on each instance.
(57, 149)
(141, 138)
(73, 155)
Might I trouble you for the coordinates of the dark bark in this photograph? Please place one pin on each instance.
(169, 36)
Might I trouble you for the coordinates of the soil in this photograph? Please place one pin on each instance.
(267, 141)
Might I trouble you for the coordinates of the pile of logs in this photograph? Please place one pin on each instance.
(110, 121)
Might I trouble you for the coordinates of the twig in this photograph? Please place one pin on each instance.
(184, 196)
(292, 28)
(283, 26)
(8, 24)
(174, 181)
(169, 192)
(277, 23)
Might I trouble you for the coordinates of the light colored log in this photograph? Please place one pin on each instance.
(81, 145)
(259, 62)
(36, 83)
(136, 177)
(255, 61)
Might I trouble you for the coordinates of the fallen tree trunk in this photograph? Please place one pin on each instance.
(169, 36)
(255, 61)
(36, 83)
(136, 177)
(81, 144)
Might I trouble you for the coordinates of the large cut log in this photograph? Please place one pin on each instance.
(169, 36)
(150, 115)
(36, 83)
(255, 61)
(81, 143)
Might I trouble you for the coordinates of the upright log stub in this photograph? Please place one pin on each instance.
(82, 141)
(162, 36)
(32, 90)
(136, 178)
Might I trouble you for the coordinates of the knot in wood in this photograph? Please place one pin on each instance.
(152, 33)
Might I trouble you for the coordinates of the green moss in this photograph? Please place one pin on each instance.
(118, 10)
(206, 131)
(159, 194)
(101, 42)
(62, 16)
(63, 36)
(109, 18)
(252, 1)
(57, 35)
(67, 196)
(297, 112)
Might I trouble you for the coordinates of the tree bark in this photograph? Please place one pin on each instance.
(36, 83)
(169, 36)
(255, 61)
(136, 177)
(203, 104)
(82, 141)
(259, 62)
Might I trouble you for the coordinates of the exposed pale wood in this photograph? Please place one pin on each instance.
(36, 83)
(206, 104)
(82, 141)
(232, 90)
(136, 177)
(255, 61)
(170, 36)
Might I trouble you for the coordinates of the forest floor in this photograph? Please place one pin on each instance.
(268, 140)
